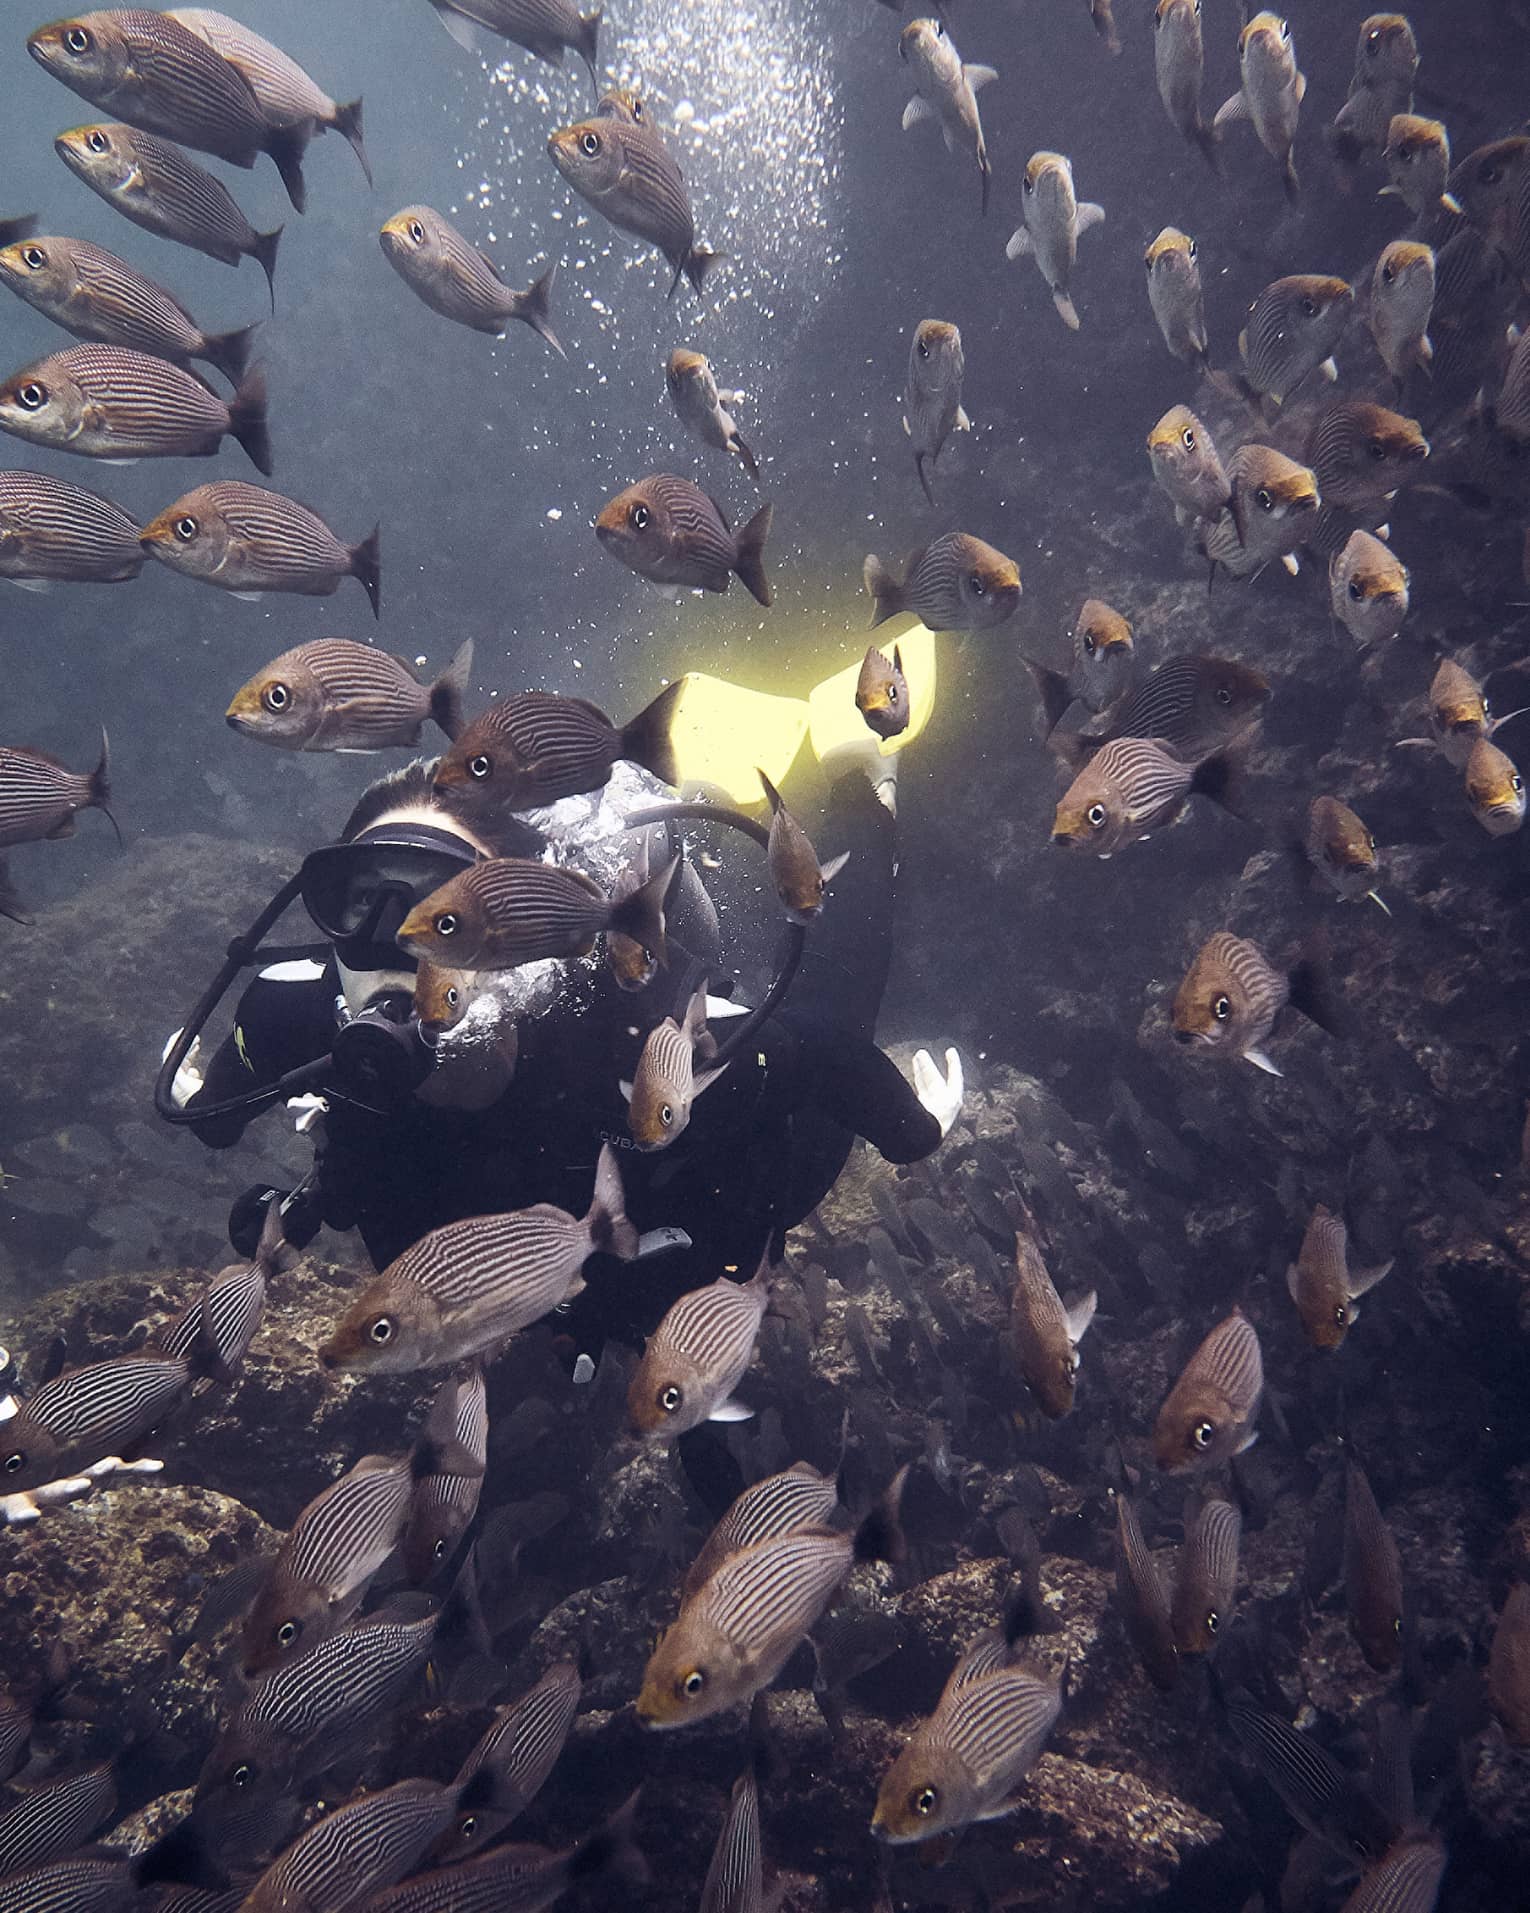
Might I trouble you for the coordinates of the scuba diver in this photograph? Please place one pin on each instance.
(512, 1107)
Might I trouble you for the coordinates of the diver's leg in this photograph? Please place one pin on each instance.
(843, 973)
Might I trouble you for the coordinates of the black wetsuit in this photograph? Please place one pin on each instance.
(764, 1144)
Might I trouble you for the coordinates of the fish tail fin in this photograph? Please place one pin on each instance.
(274, 1254)
(750, 463)
(880, 1536)
(609, 1230)
(750, 560)
(647, 740)
(1208, 141)
(534, 306)
(10, 903)
(230, 351)
(287, 145)
(1289, 180)
(264, 249)
(348, 124)
(1055, 695)
(641, 916)
(611, 1853)
(924, 478)
(886, 593)
(697, 263)
(1066, 309)
(247, 419)
(1073, 749)
(101, 786)
(986, 170)
(588, 44)
(1313, 991)
(366, 564)
(1220, 777)
(448, 691)
(772, 795)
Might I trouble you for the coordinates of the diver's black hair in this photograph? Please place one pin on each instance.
(410, 788)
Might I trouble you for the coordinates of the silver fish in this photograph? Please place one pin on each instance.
(1274, 506)
(1193, 705)
(1174, 292)
(52, 532)
(1209, 1414)
(1406, 1879)
(946, 91)
(87, 1413)
(446, 1498)
(509, 911)
(356, 1851)
(1054, 218)
(1271, 93)
(669, 531)
(245, 539)
(1368, 589)
(1206, 1578)
(547, 28)
(800, 880)
(1179, 60)
(1361, 453)
(697, 1356)
(606, 1865)
(735, 1881)
(55, 1817)
(700, 407)
(1186, 465)
(455, 279)
(933, 401)
(1495, 791)
(1402, 299)
(1130, 787)
(954, 583)
(627, 173)
(666, 1081)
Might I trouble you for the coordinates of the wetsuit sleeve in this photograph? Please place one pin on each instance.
(853, 1083)
(280, 1025)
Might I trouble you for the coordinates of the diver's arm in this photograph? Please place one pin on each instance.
(282, 1022)
(861, 1088)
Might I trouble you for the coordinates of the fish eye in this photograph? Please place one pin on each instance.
(77, 40)
(1356, 590)
(671, 1397)
(975, 584)
(98, 142)
(417, 232)
(438, 1552)
(1378, 449)
(1371, 841)
(924, 348)
(34, 257)
(1070, 1365)
(480, 766)
(666, 1115)
(381, 1331)
(1309, 307)
(1387, 275)
(467, 1826)
(1187, 439)
(924, 1801)
(15, 1462)
(1264, 499)
(638, 518)
(186, 529)
(1148, 261)
(446, 924)
(1341, 1316)
(589, 144)
(1089, 647)
(32, 396)
(288, 1632)
(1193, 253)
(892, 691)
(1221, 1009)
(692, 1683)
(1095, 816)
(242, 1775)
(276, 697)
(1516, 783)
(453, 996)
(1202, 1433)
(1490, 174)
(1373, 41)
(1224, 696)
(1285, 31)
(1213, 1621)
(1030, 184)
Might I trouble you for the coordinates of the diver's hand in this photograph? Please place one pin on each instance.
(188, 1078)
(940, 1095)
(18, 1510)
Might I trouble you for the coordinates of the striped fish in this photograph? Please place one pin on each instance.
(669, 531)
(508, 911)
(85, 1414)
(1104, 656)
(39, 796)
(104, 401)
(632, 965)
(1318, 1793)
(1417, 159)
(1209, 1414)
(946, 90)
(223, 1320)
(933, 399)
(83, 1884)
(445, 1499)
(1368, 589)
(797, 1498)
(534, 747)
(966, 1762)
(1322, 1284)
(1271, 92)
(1495, 791)
(457, 280)
(157, 74)
(95, 295)
(1206, 1578)
(666, 1080)
(1187, 467)
(799, 879)
(1458, 712)
(155, 185)
(1174, 293)
(15, 1732)
(355, 1851)
(334, 694)
(1373, 1589)
(287, 95)
(1179, 60)
(881, 692)
(1405, 1880)
(520, 1749)
(1291, 331)
(741, 1626)
(1508, 1670)
(1402, 299)
(52, 1819)
(1054, 218)
(1342, 850)
(1271, 513)
(954, 583)
(1194, 705)
(323, 1567)
(546, 28)
(248, 540)
(1511, 409)
(1232, 996)
(1386, 61)
(1492, 185)
(466, 1287)
(700, 406)
(1360, 453)
(697, 1356)
(630, 177)
(52, 532)
(1144, 1606)
(735, 1881)
(1126, 790)
(1046, 1334)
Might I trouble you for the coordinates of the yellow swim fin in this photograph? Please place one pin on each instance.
(724, 736)
(837, 727)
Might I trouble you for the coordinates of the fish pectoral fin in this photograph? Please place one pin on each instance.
(1247, 1442)
(1293, 1283)
(1363, 1280)
(1234, 109)
(30, 584)
(1329, 370)
(63, 828)
(908, 430)
(832, 868)
(961, 423)
(1301, 88)
(1090, 213)
(731, 1410)
(626, 1090)
(917, 109)
(1080, 1315)
(704, 1079)
(1260, 1061)
(1019, 245)
(948, 136)
(977, 75)
(456, 25)
(247, 597)
(1291, 563)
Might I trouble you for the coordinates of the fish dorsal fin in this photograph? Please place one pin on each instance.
(832, 868)
(917, 109)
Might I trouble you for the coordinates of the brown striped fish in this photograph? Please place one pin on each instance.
(520, 1747)
(1271, 93)
(156, 74)
(697, 1356)
(954, 583)
(355, 1852)
(452, 277)
(287, 95)
(1142, 1601)
(1054, 218)
(1127, 790)
(534, 747)
(742, 1625)
(798, 1497)
(1402, 300)
(627, 173)
(1406, 1879)
(324, 1566)
(1232, 996)
(1271, 513)
(735, 1881)
(1186, 465)
(512, 910)
(1373, 1590)
(1342, 850)
(215, 1330)
(932, 405)
(1104, 656)
(54, 1817)
(1495, 791)
(1508, 1672)
(1291, 331)
(87, 1413)
(701, 408)
(155, 185)
(1324, 1288)
(446, 1498)
(247, 540)
(967, 1761)
(1368, 589)
(52, 532)
(1458, 712)
(799, 879)
(669, 531)
(1417, 159)
(1046, 1333)
(1360, 453)
(547, 28)
(1206, 1576)
(104, 401)
(95, 295)
(607, 1865)
(336, 695)
(1174, 293)
(881, 692)
(1179, 60)
(1492, 185)
(632, 965)
(1208, 1415)
(1193, 705)
(666, 1081)
(468, 1286)
(39, 796)
(1386, 61)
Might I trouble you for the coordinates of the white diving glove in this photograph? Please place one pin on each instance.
(940, 1095)
(18, 1510)
(188, 1078)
